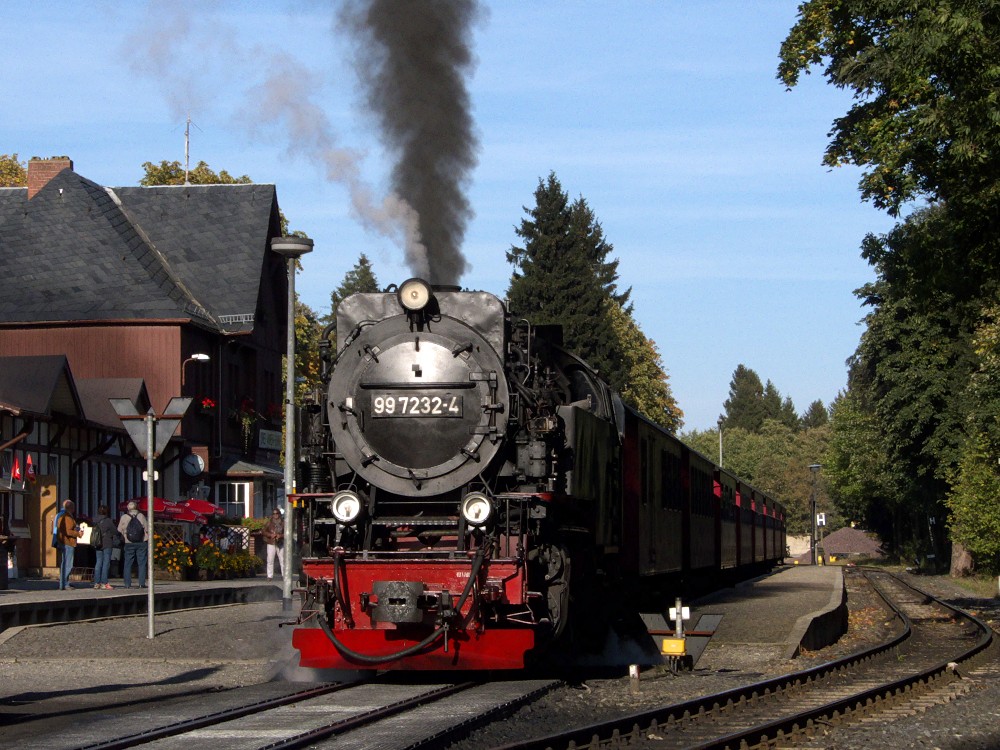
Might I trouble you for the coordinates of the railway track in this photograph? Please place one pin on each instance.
(388, 715)
(920, 665)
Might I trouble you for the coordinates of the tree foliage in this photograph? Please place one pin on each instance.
(925, 129)
(975, 512)
(13, 173)
(863, 481)
(562, 275)
(815, 416)
(172, 173)
(776, 459)
(647, 384)
(751, 403)
(927, 84)
(745, 408)
(360, 279)
(307, 362)
(975, 482)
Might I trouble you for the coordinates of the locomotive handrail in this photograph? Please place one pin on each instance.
(436, 385)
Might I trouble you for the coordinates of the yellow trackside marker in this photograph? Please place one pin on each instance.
(673, 647)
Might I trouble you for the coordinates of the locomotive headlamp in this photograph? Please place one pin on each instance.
(346, 506)
(476, 509)
(414, 294)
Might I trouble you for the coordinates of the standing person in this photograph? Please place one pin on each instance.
(133, 527)
(7, 543)
(274, 537)
(103, 550)
(69, 532)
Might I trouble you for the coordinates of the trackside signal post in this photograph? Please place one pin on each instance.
(148, 432)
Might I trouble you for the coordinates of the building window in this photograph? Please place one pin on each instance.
(270, 493)
(234, 498)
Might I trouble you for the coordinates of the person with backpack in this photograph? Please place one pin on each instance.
(67, 534)
(134, 528)
(102, 539)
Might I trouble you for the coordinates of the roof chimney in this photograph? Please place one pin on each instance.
(40, 171)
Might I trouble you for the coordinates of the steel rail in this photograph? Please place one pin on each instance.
(638, 724)
(305, 739)
(200, 722)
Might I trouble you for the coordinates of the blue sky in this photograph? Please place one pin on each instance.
(706, 175)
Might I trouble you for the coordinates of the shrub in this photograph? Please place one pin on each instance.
(171, 555)
(256, 525)
(242, 563)
(209, 557)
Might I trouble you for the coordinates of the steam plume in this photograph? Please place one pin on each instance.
(411, 58)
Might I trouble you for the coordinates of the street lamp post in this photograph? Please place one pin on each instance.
(814, 468)
(721, 420)
(291, 249)
(193, 358)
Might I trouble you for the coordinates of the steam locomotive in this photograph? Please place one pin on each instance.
(472, 494)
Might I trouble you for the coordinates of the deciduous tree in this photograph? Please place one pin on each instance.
(925, 131)
(172, 173)
(13, 172)
(648, 386)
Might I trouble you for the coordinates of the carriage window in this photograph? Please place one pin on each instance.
(644, 469)
(670, 481)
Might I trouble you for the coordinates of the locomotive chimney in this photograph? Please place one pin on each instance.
(41, 172)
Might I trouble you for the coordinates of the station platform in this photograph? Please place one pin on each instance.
(37, 601)
(793, 608)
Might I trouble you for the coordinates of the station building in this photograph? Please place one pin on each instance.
(144, 293)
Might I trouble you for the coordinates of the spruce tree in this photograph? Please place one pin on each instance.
(562, 276)
(359, 279)
(772, 401)
(745, 407)
(815, 416)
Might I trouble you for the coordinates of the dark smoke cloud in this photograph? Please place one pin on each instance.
(412, 57)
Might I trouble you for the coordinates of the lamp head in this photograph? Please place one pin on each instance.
(414, 294)
(291, 247)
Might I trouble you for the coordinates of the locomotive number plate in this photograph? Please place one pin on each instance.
(416, 405)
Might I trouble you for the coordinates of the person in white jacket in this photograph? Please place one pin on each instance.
(274, 538)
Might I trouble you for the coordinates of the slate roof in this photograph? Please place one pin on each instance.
(237, 467)
(79, 251)
(38, 385)
(96, 392)
(848, 541)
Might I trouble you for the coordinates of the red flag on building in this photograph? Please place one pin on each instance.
(29, 469)
(15, 473)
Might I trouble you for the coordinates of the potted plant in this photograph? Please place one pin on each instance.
(246, 417)
(171, 557)
(206, 405)
(208, 559)
(255, 527)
